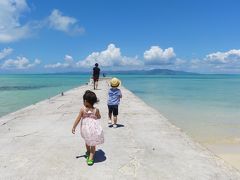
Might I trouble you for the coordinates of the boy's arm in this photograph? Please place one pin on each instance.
(93, 72)
(77, 121)
(98, 114)
(120, 93)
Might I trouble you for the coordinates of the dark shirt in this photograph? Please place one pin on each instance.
(96, 72)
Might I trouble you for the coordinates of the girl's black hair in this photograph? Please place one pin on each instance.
(90, 97)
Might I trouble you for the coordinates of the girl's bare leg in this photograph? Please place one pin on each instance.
(92, 152)
(88, 149)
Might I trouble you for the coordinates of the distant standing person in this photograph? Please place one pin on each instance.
(114, 96)
(96, 72)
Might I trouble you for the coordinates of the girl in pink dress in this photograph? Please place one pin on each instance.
(91, 129)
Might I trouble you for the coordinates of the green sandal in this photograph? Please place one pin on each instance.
(90, 162)
(87, 154)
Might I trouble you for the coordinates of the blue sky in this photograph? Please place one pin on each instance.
(62, 36)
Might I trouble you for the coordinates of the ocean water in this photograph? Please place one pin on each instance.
(18, 91)
(205, 106)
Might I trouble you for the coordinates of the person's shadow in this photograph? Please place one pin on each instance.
(118, 125)
(98, 157)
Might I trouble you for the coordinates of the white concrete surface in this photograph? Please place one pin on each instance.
(36, 143)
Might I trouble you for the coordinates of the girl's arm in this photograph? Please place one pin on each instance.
(77, 121)
(98, 114)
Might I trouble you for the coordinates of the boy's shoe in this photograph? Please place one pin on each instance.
(90, 162)
(109, 121)
(114, 126)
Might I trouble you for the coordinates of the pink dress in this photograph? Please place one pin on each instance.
(91, 129)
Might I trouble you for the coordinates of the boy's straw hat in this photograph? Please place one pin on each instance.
(115, 82)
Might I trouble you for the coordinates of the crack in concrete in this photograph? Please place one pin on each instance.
(11, 119)
(3, 124)
(60, 106)
(27, 134)
(130, 168)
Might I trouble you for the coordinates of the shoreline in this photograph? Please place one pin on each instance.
(146, 146)
(228, 152)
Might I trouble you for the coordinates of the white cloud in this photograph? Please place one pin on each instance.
(157, 56)
(112, 58)
(130, 61)
(232, 56)
(5, 52)
(19, 63)
(57, 65)
(196, 64)
(68, 59)
(218, 62)
(69, 62)
(64, 23)
(109, 57)
(11, 28)
(179, 62)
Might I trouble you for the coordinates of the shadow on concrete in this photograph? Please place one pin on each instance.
(81, 156)
(118, 125)
(99, 156)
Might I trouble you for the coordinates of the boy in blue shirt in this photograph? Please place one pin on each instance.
(114, 95)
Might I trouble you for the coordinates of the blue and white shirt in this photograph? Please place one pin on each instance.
(114, 95)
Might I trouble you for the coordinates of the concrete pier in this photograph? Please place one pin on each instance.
(36, 143)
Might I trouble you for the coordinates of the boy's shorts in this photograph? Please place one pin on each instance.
(95, 79)
(113, 109)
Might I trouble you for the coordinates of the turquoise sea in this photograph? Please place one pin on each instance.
(205, 106)
(18, 91)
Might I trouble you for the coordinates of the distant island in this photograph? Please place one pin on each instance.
(140, 72)
(152, 72)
